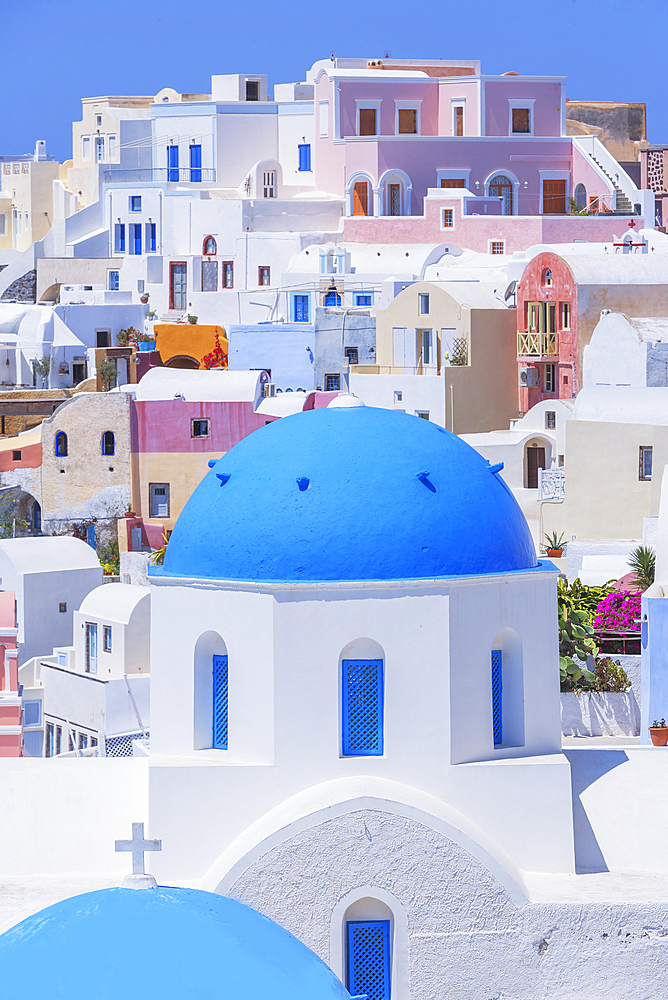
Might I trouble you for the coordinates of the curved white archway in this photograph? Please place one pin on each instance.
(502, 172)
(401, 178)
(361, 177)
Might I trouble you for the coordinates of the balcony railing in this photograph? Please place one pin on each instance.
(164, 175)
(537, 345)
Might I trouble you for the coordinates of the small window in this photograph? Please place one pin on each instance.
(103, 338)
(112, 147)
(367, 121)
(264, 275)
(363, 298)
(252, 90)
(550, 415)
(135, 203)
(458, 119)
(645, 471)
(32, 713)
(62, 608)
(304, 156)
(106, 639)
(209, 247)
(220, 703)
(423, 299)
(85, 149)
(548, 280)
(228, 274)
(98, 121)
(269, 183)
(199, 428)
(158, 497)
(550, 381)
(398, 396)
(16, 456)
(497, 696)
(407, 121)
(497, 247)
(448, 218)
(521, 118)
(119, 237)
(352, 355)
(108, 443)
(423, 414)
(300, 308)
(61, 445)
(565, 315)
(332, 383)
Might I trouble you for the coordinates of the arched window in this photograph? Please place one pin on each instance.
(548, 280)
(210, 722)
(108, 443)
(61, 444)
(209, 247)
(501, 186)
(580, 196)
(362, 701)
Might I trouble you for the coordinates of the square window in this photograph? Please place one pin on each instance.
(135, 203)
(228, 274)
(106, 639)
(16, 456)
(264, 275)
(363, 298)
(62, 607)
(645, 469)
(424, 414)
(550, 415)
(423, 299)
(521, 118)
(448, 218)
(407, 121)
(352, 355)
(497, 247)
(199, 428)
(332, 383)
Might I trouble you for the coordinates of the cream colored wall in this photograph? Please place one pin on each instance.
(6, 210)
(82, 177)
(73, 271)
(183, 471)
(482, 396)
(604, 496)
(31, 191)
(92, 484)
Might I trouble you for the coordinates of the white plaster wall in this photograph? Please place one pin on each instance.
(419, 392)
(41, 625)
(242, 140)
(615, 355)
(296, 124)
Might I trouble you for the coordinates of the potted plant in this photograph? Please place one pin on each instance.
(192, 319)
(143, 298)
(145, 342)
(127, 337)
(129, 512)
(554, 545)
(659, 733)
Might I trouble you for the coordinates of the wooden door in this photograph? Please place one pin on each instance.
(361, 198)
(452, 182)
(554, 197)
(535, 461)
(504, 191)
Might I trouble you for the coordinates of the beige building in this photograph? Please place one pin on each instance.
(462, 330)
(27, 200)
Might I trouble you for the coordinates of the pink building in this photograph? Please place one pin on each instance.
(447, 148)
(10, 701)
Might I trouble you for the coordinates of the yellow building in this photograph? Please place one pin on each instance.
(184, 345)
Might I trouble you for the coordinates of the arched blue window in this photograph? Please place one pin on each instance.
(332, 298)
(362, 708)
(220, 702)
(368, 948)
(497, 695)
(61, 444)
(108, 443)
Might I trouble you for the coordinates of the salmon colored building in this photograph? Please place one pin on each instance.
(10, 701)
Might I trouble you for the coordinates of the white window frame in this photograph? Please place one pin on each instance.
(406, 106)
(489, 246)
(100, 145)
(86, 146)
(323, 119)
(457, 102)
(526, 105)
(112, 147)
(642, 478)
(423, 300)
(422, 413)
(367, 106)
(444, 212)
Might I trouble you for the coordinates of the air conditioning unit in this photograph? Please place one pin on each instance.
(269, 388)
(529, 376)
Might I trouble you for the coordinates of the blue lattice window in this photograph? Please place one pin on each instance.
(220, 702)
(369, 958)
(362, 708)
(497, 695)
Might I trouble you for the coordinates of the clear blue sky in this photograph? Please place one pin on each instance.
(55, 52)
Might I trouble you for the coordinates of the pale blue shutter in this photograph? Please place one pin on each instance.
(497, 695)
(196, 164)
(362, 708)
(369, 958)
(173, 163)
(220, 702)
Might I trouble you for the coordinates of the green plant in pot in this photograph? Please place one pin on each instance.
(659, 733)
(554, 544)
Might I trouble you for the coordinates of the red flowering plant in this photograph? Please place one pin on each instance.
(216, 359)
(618, 612)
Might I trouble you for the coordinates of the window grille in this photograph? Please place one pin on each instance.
(220, 702)
(460, 351)
(362, 704)
(369, 958)
(122, 746)
(497, 691)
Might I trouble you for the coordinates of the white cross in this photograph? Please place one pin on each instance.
(138, 845)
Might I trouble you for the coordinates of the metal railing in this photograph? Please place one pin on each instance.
(617, 641)
(165, 175)
(537, 345)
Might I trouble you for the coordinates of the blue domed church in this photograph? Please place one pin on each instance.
(355, 697)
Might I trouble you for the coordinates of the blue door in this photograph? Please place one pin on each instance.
(195, 164)
(136, 239)
(305, 156)
(368, 947)
(220, 702)
(173, 163)
(362, 708)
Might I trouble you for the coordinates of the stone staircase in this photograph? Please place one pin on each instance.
(622, 204)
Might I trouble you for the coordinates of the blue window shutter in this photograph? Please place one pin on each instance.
(362, 708)
(220, 703)
(497, 695)
(301, 308)
(305, 156)
(173, 163)
(196, 163)
(369, 958)
(119, 238)
(90, 535)
(150, 236)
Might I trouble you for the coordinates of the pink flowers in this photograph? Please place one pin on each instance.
(619, 612)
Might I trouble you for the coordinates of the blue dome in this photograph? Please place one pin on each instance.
(160, 944)
(357, 493)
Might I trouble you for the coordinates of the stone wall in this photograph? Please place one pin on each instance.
(21, 290)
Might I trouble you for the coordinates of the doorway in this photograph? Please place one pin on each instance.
(178, 293)
(501, 186)
(361, 198)
(535, 461)
(554, 197)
